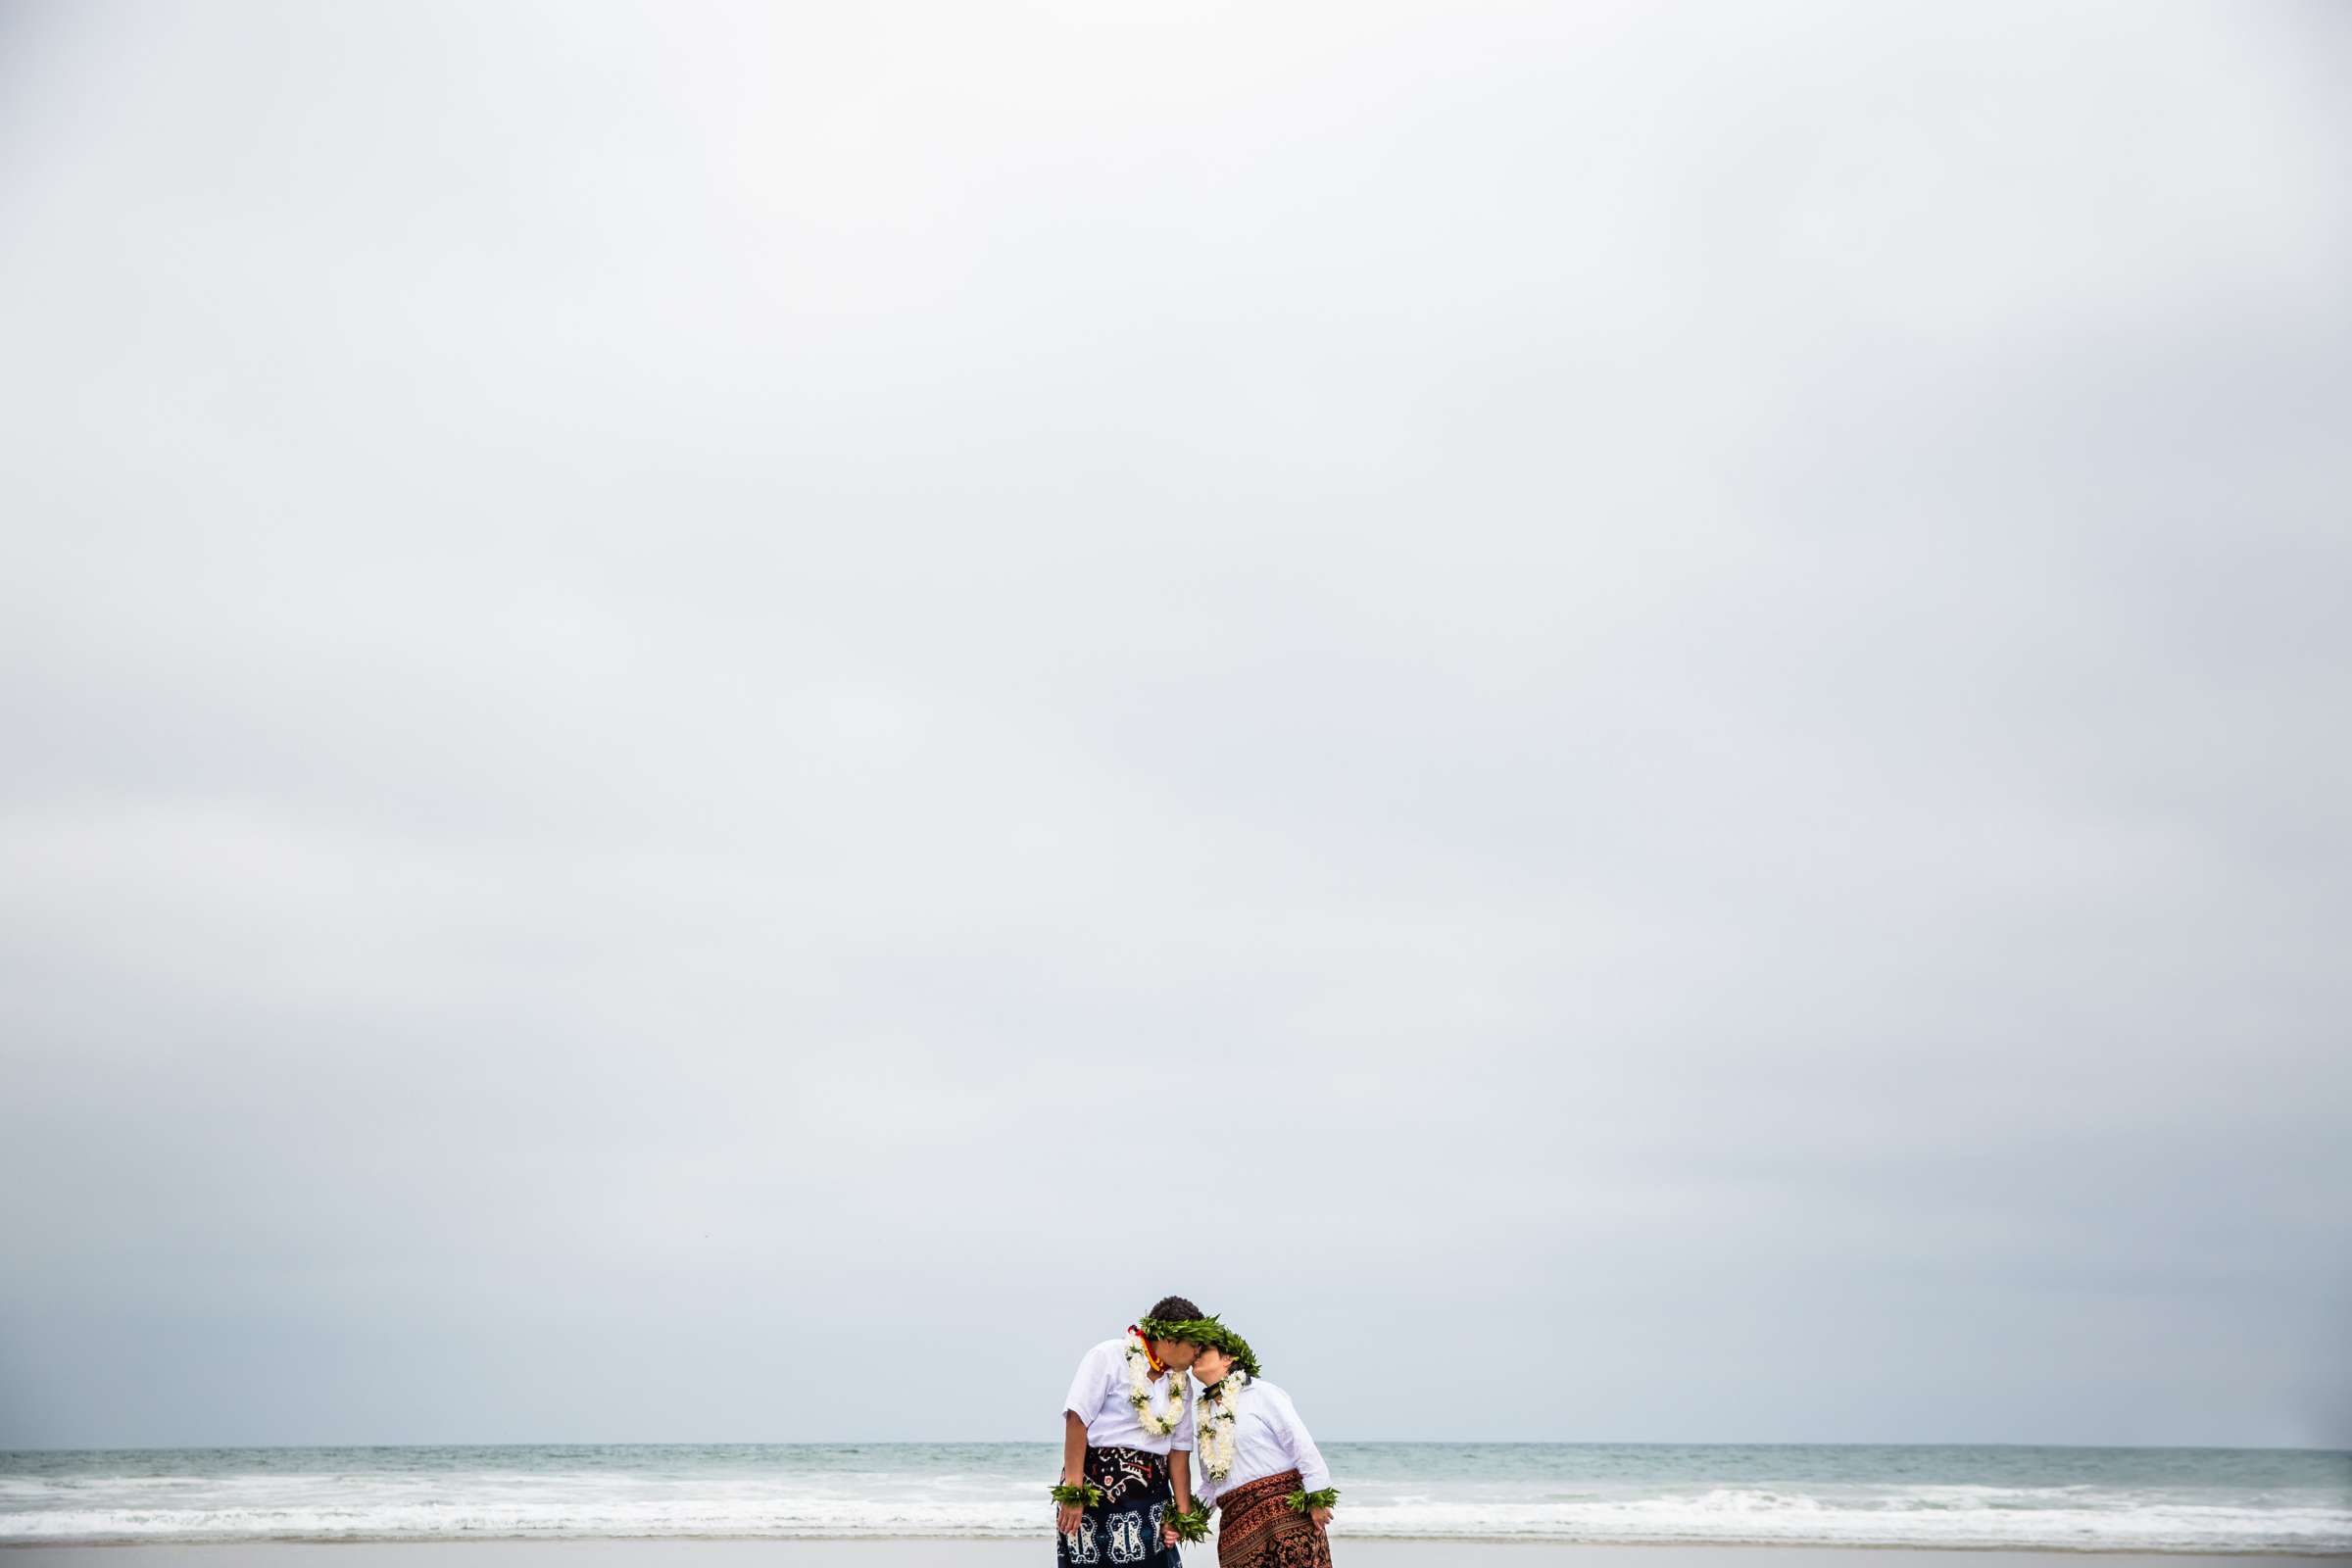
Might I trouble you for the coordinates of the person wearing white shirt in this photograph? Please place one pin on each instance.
(1126, 1446)
(1260, 1465)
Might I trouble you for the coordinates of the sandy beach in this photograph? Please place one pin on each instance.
(1014, 1553)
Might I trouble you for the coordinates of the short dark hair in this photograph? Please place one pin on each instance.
(1174, 1309)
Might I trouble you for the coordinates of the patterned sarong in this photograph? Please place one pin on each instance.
(1124, 1528)
(1257, 1529)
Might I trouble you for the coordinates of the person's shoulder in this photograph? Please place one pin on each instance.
(1107, 1351)
(1268, 1390)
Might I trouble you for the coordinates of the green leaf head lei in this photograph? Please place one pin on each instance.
(1208, 1333)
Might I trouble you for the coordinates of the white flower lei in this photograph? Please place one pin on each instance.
(1139, 1387)
(1218, 1412)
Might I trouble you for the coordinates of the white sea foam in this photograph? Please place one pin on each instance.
(890, 1496)
(1742, 1514)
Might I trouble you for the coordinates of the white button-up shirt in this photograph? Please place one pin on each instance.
(1099, 1397)
(1269, 1437)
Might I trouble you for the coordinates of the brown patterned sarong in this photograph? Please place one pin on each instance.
(1259, 1530)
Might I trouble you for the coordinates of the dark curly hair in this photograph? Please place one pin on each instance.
(1174, 1309)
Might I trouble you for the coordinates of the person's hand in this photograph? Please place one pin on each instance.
(1168, 1535)
(1321, 1517)
(1068, 1514)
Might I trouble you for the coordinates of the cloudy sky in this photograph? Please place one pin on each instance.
(1627, 721)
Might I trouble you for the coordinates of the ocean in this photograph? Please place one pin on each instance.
(2140, 1499)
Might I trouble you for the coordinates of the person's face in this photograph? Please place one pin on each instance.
(1211, 1366)
(1179, 1354)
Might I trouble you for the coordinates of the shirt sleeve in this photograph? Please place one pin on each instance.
(1085, 1399)
(1314, 1474)
(1180, 1440)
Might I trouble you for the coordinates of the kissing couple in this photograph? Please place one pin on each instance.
(1131, 1427)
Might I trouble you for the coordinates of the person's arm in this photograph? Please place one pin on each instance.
(1180, 1458)
(1073, 1467)
(1299, 1443)
(1180, 1467)
(1080, 1405)
(1180, 1447)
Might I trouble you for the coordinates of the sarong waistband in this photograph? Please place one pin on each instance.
(1278, 1485)
(1121, 1471)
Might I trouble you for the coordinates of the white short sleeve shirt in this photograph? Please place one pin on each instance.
(1269, 1437)
(1098, 1397)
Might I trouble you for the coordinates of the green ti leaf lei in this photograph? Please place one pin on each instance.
(1192, 1526)
(1305, 1501)
(1206, 1331)
(1085, 1493)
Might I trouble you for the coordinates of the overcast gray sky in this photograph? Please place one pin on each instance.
(1627, 721)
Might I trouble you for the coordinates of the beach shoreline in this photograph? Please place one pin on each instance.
(970, 1552)
(988, 1497)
